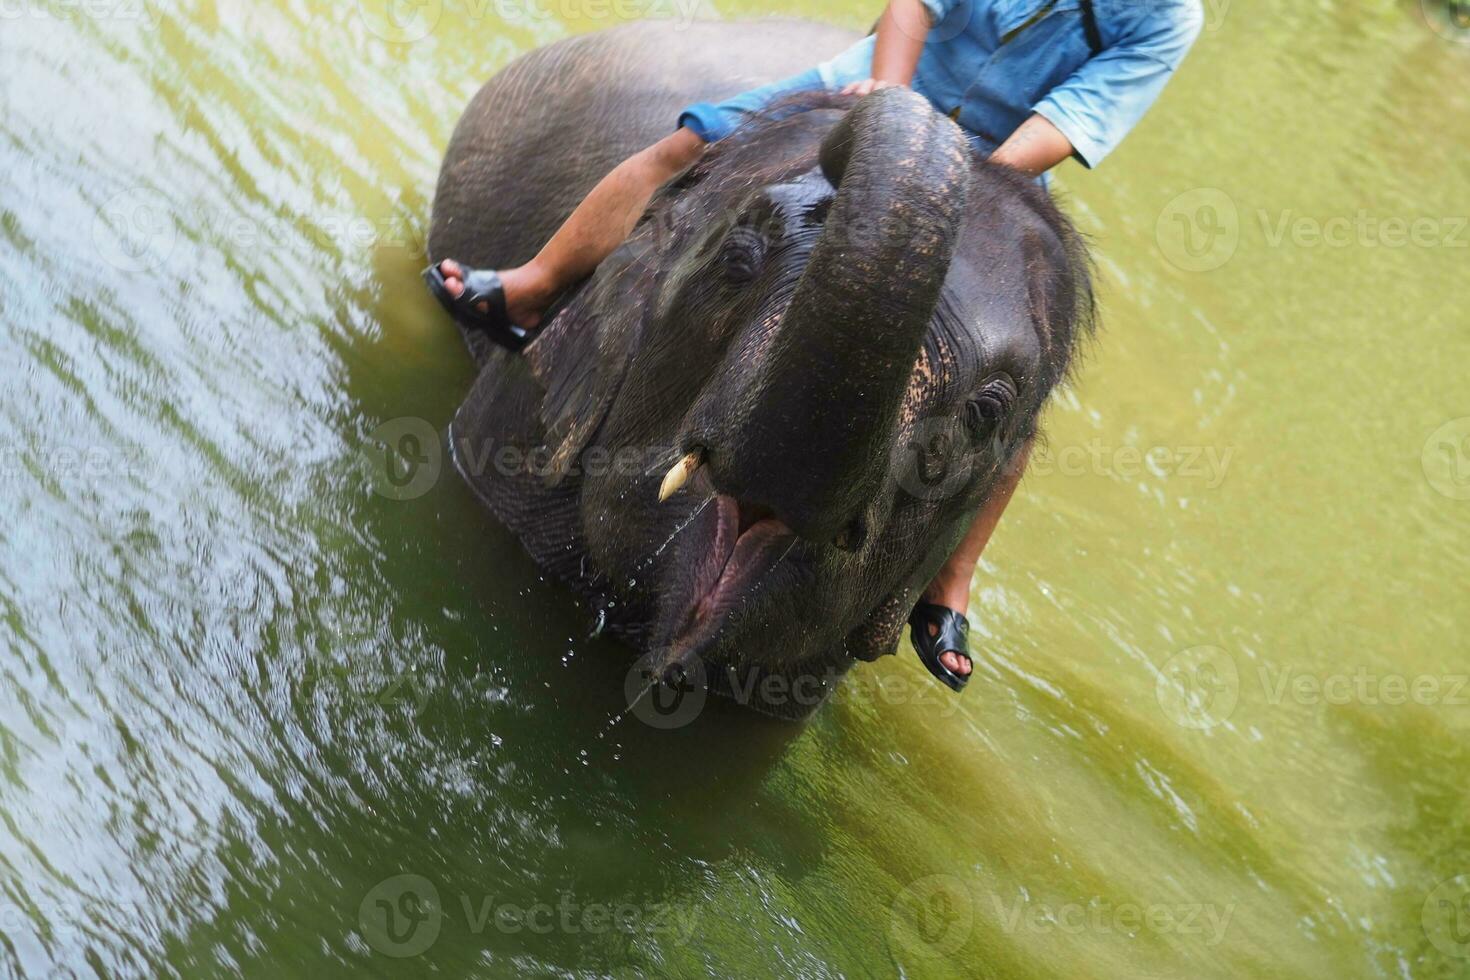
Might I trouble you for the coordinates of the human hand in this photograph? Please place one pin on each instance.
(865, 86)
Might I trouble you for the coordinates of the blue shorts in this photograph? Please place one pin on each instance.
(713, 121)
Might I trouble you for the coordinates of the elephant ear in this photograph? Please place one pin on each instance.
(581, 358)
(551, 399)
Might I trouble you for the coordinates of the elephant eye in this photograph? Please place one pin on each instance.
(742, 254)
(985, 413)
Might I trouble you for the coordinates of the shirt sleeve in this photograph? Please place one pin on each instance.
(1105, 98)
(939, 9)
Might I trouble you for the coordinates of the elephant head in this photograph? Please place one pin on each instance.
(844, 324)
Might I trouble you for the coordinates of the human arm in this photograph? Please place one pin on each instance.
(897, 46)
(1105, 98)
(1035, 147)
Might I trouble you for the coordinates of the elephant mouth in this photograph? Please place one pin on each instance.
(745, 546)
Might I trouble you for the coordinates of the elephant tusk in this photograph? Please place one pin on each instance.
(675, 479)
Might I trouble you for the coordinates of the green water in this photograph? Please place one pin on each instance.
(1220, 723)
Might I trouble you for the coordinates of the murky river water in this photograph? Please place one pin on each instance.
(258, 716)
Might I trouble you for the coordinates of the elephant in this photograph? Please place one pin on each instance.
(830, 335)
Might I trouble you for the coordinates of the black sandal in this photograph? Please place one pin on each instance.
(480, 286)
(950, 637)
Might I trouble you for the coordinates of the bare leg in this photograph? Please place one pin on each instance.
(598, 225)
(951, 587)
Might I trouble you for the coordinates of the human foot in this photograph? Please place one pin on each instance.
(523, 303)
(476, 300)
(955, 661)
(939, 634)
(950, 591)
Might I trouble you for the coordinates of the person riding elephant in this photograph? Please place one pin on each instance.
(1030, 83)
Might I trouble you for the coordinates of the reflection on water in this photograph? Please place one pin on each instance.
(262, 711)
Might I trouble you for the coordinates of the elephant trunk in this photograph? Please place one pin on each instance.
(832, 383)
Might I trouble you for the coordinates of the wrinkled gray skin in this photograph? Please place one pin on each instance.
(854, 318)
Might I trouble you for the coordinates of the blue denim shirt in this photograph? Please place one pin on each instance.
(994, 62)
